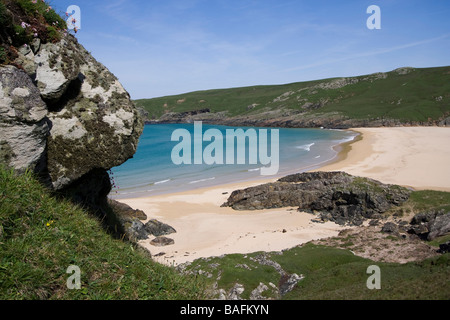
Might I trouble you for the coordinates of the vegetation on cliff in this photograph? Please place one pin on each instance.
(402, 96)
(24, 21)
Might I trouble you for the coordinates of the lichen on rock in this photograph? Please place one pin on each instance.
(65, 116)
(23, 121)
(90, 127)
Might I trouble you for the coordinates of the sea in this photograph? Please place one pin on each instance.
(152, 170)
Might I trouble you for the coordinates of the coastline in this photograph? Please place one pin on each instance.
(204, 229)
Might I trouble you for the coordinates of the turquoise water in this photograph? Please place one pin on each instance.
(151, 171)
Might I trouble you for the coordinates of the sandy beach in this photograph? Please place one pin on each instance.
(416, 157)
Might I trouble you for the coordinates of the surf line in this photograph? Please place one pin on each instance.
(216, 152)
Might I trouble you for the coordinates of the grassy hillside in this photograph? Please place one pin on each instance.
(40, 237)
(329, 273)
(405, 94)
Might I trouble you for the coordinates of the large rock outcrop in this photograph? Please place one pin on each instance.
(336, 196)
(94, 124)
(66, 116)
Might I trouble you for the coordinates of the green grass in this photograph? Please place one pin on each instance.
(337, 274)
(331, 273)
(41, 236)
(430, 200)
(422, 201)
(419, 96)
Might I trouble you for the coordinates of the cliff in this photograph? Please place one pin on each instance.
(405, 96)
(63, 114)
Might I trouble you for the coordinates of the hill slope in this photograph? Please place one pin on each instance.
(41, 236)
(403, 96)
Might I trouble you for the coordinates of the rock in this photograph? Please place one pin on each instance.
(445, 122)
(444, 247)
(338, 196)
(235, 292)
(420, 230)
(222, 295)
(125, 210)
(390, 227)
(157, 228)
(58, 65)
(23, 122)
(126, 221)
(162, 242)
(67, 117)
(430, 225)
(136, 231)
(288, 283)
(257, 293)
(440, 226)
(423, 217)
(94, 124)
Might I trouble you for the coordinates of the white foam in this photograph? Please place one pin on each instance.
(202, 180)
(306, 147)
(161, 182)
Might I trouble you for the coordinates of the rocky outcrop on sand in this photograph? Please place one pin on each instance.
(130, 224)
(334, 196)
(66, 116)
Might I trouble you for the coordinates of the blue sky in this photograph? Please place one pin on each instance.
(165, 47)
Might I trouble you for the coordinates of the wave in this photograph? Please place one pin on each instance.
(202, 180)
(161, 182)
(122, 193)
(251, 170)
(306, 147)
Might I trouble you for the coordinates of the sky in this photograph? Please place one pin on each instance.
(166, 47)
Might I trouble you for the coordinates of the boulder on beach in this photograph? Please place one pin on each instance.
(336, 196)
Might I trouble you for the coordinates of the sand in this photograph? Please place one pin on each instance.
(417, 157)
